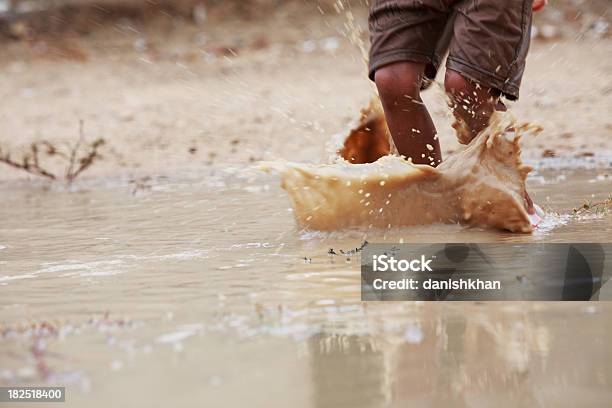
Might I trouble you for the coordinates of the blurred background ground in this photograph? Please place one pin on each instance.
(180, 85)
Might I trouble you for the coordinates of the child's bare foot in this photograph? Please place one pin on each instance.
(536, 214)
(529, 202)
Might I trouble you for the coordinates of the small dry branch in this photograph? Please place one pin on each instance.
(78, 157)
(600, 207)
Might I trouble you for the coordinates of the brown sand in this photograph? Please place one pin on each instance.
(173, 97)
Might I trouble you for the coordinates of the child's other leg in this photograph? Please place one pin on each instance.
(413, 131)
(472, 106)
(471, 103)
(487, 58)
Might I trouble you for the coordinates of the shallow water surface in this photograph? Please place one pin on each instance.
(167, 292)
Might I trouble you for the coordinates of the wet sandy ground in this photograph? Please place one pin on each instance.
(176, 292)
(173, 273)
(237, 92)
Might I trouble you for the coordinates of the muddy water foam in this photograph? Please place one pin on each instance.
(366, 186)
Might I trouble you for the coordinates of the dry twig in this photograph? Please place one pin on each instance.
(77, 161)
(600, 207)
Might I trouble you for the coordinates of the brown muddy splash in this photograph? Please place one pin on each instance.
(365, 185)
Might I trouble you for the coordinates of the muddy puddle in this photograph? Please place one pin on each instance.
(171, 291)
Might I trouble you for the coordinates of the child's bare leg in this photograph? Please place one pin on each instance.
(413, 131)
(472, 105)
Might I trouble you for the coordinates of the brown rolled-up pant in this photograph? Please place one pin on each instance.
(487, 40)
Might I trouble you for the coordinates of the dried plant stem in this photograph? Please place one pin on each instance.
(596, 207)
(77, 163)
(29, 162)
